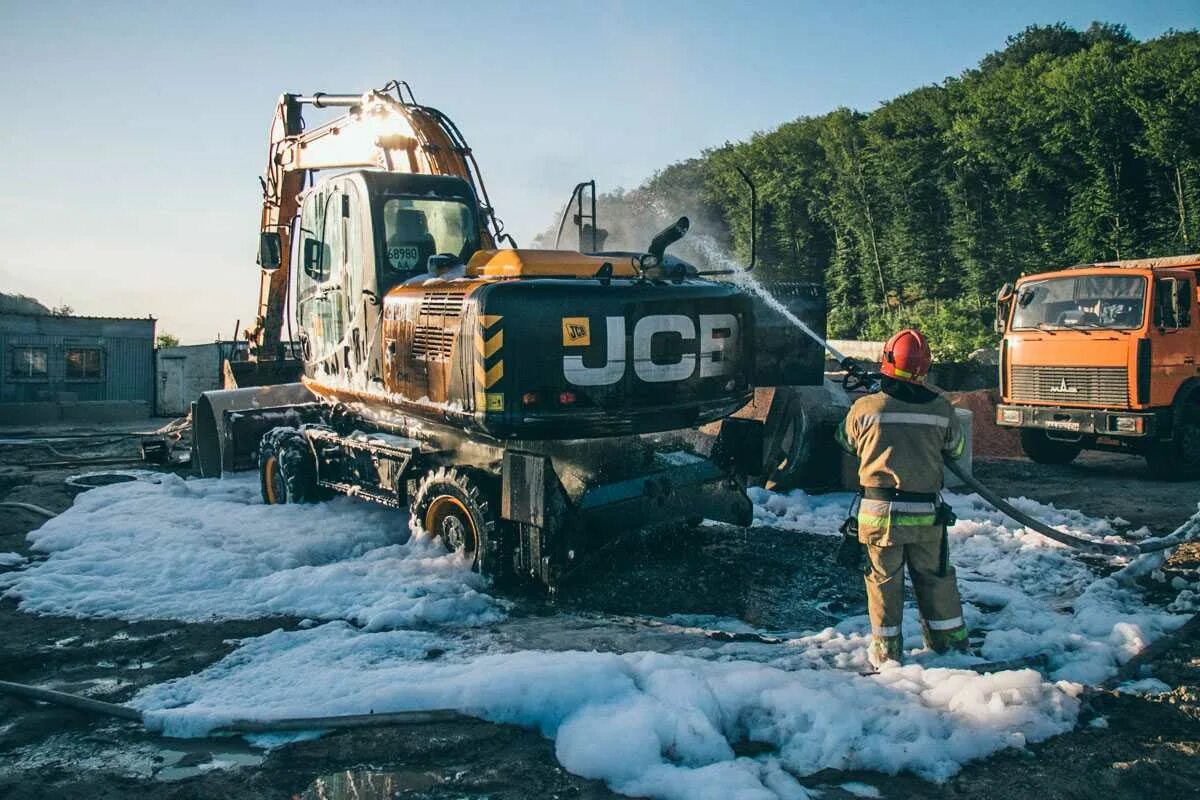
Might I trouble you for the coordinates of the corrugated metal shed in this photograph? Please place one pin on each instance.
(65, 359)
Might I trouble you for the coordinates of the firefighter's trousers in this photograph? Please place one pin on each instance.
(934, 584)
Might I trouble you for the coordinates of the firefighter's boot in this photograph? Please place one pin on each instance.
(943, 641)
(885, 649)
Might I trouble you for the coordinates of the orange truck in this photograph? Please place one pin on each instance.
(1103, 357)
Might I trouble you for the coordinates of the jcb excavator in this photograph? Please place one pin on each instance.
(524, 405)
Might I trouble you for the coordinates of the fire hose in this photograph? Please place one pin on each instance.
(1182, 534)
(857, 378)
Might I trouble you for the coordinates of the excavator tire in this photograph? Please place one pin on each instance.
(287, 470)
(462, 508)
(1178, 458)
(1044, 450)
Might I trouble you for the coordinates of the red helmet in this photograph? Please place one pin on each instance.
(906, 356)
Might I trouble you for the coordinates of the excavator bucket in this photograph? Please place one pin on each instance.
(240, 374)
(228, 424)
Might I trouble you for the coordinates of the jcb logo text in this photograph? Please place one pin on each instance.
(714, 353)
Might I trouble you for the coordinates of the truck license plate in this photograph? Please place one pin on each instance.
(1062, 425)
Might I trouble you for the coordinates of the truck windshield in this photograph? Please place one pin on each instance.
(416, 228)
(1089, 301)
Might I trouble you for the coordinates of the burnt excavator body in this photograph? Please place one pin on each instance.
(507, 344)
(526, 406)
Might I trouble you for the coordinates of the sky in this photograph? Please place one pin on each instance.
(132, 134)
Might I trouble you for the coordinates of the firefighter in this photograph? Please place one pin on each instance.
(900, 436)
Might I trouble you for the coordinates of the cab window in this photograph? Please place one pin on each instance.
(1172, 303)
(417, 228)
(1088, 301)
(321, 303)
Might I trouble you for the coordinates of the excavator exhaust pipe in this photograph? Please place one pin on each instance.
(668, 236)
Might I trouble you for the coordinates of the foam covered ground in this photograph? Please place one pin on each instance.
(405, 626)
(194, 550)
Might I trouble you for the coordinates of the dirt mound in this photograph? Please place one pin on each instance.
(988, 439)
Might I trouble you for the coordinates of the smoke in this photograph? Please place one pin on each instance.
(632, 218)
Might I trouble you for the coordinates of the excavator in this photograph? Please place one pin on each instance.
(527, 406)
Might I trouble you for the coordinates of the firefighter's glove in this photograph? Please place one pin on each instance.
(850, 554)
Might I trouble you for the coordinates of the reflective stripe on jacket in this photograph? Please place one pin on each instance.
(900, 445)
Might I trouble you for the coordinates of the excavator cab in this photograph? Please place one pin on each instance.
(360, 235)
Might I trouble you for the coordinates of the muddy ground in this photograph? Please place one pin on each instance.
(768, 578)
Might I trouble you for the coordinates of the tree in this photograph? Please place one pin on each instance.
(20, 304)
(166, 340)
(62, 310)
(1162, 85)
(1065, 146)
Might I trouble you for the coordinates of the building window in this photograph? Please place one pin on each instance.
(29, 363)
(84, 364)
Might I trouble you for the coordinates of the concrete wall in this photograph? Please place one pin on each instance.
(858, 350)
(186, 371)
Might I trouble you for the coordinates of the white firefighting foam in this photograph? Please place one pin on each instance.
(649, 724)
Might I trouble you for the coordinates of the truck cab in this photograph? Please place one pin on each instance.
(1103, 357)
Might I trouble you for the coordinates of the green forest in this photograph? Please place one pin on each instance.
(1064, 147)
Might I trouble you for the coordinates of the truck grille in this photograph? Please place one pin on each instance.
(1101, 386)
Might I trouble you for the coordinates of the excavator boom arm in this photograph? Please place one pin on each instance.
(377, 131)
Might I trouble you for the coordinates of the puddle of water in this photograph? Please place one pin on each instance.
(369, 785)
(188, 764)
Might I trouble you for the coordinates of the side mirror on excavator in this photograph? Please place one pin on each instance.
(269, 250)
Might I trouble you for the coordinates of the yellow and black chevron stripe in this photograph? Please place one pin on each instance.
(489, 363)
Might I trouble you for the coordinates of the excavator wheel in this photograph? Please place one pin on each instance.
(1044, 450)
(461, 507)
(287, 470)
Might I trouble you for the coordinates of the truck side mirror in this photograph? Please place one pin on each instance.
(1003, 301)
(269, 250)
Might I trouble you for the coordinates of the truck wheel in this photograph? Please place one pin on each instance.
(457, 506)
(286, 469)
(1044, 450)
(1178, 459)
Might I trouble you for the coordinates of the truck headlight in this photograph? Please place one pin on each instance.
(1129, 424)
(1008, 416)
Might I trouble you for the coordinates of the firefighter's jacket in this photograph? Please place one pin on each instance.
(900, 438)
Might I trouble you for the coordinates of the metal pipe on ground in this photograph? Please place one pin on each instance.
(45, 512)
(343, 722)
(70, 701)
